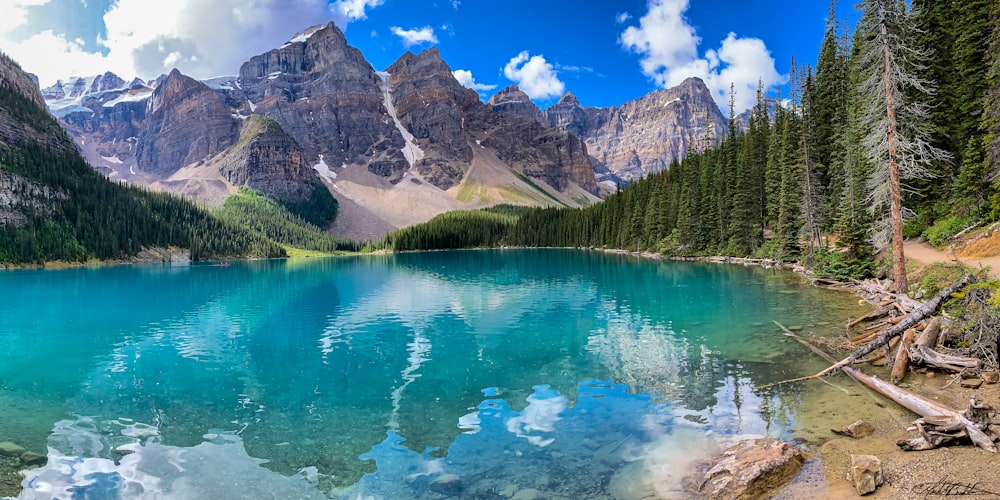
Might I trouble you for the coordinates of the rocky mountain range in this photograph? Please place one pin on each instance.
(394, 147)
(643, 135)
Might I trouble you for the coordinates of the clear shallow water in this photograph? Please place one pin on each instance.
(572, 373)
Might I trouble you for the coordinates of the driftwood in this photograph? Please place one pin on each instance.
(924, 407)
(930, 334)
(926, 356)
(878, 313)
(902, 361)
(911, 319)
(931, 411)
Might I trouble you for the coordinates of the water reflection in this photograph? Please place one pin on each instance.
(352, 373)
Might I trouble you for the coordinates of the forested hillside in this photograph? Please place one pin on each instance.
(56, 207)
(909, 92)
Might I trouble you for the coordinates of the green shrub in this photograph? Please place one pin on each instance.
(942, 230)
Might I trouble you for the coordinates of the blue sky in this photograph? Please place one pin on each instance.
(605, 52)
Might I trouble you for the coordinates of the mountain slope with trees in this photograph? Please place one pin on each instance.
(816, 182)
(54, 206)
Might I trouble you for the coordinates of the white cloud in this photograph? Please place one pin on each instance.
(345, 11)
(455, 4)
(415, 36)
(534, 76)
(15, 13)
(668, 47)
(621, 18)
(464, 77)
(188, 34)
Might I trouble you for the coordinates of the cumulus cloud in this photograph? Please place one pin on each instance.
(622, 17)
(464, 77)
(187, 34)
(534, 76)
(345, 11)
(416, 36)
(668, 47)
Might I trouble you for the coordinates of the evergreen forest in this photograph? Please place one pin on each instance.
(76, 215)
(811, 183)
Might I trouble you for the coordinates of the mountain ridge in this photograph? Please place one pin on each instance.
(412, 123)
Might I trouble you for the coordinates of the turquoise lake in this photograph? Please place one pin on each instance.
(474, 374)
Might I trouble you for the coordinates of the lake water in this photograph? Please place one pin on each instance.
(480, 374)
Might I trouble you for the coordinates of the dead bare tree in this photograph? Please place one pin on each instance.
(896, 127)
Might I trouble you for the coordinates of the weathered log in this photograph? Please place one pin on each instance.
(931, 410)
(930, 334)
(902, 361)
(878, 313)
(922, 406)
(926, 356)
(911, 319)
(864, 338)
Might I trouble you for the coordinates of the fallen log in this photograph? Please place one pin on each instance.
(926, 356)
(911, 319)
(930, 410)
(930, 334)
(878, 313)
(902, 361)
(923, 406)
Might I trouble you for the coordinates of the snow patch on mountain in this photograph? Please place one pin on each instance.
(324, 170)
(129, 97)
(222, 82)
(302, 37)
(411, 151)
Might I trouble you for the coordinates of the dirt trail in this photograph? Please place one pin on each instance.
(925, 254)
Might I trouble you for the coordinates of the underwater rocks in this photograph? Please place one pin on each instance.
(13, 459)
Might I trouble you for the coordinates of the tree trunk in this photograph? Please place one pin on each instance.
(898, 260)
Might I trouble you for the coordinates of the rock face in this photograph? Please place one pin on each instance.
(511, 125)
(268, 160)
(748, 469)
(187, 123)
(12, 76)
(431, 105)
(328, 98)
(646, 134)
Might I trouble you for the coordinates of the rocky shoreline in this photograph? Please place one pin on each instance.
(870, 462)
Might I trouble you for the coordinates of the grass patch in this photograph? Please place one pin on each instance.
(531, 183)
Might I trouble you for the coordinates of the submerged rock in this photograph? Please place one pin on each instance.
(10, 449)
(865, 473)
(856, 430)
(32, 459)
(447, 484)
(748, 469)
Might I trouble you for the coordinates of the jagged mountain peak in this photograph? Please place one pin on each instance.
(644, 135)
(568, 99)
(509, 94)
(425, 62)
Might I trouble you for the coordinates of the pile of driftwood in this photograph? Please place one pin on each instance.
(910, 338)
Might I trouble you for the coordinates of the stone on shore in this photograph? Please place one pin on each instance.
(865, 473)
(748, 469)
